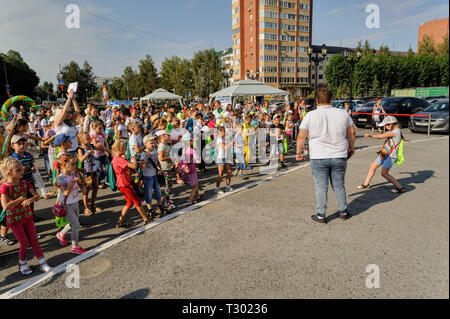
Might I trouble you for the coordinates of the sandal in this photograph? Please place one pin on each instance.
(23, 268)
(397, 190)
(364, 186)
(96, 209)
(88, 212)
(146, 222)
(123, 224)
(44, 267)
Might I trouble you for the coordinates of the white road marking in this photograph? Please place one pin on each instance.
(62, 268)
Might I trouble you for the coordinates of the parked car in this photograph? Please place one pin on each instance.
(439, 118)
(436, 97)
(336, 102)
(341, 105)
(392, 105)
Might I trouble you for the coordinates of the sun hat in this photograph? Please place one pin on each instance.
(388, 120)
(148, 137)
(187, 137)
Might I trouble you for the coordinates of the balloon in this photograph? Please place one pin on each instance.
(11, 101)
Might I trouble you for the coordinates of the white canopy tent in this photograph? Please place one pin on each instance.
(247, 88)
(161, 94)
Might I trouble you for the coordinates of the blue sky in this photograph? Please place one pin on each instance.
(114, 34)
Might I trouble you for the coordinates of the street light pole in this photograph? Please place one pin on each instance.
(316, 59)
(352, 60)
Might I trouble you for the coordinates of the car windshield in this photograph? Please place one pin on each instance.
(390, 103)
(437, 107)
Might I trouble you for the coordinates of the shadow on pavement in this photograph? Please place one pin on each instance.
(377, 194)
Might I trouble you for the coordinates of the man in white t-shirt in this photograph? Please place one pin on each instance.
(331, 143)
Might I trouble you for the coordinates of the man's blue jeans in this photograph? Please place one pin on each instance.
(332, 169)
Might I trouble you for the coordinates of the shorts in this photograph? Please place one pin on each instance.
(222, 161)
(387, 162)
(276, 147)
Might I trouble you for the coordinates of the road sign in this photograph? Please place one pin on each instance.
(60, 82)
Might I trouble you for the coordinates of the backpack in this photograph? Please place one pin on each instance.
(400, 153)
(112, 178)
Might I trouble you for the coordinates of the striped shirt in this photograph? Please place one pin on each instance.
(27, 160)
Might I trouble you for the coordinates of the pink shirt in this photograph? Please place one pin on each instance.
(100, 138)
(120, 166)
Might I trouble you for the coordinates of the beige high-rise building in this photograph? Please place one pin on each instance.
(270, 43)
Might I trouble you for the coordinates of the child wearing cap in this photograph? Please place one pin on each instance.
(166, 165)
(151, 168)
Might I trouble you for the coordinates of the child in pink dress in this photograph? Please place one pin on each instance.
(187, 166)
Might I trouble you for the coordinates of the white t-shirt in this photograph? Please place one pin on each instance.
(64, 180)
(327, 127)
(135, 140)
(123, 130)
(71, 131)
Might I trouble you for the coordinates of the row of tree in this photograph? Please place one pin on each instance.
(199, 76)
(378, 72)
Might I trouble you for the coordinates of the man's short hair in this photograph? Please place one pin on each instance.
(324, 95)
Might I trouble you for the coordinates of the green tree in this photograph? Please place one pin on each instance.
(176, 73)
(207, 73)
(21, 78)
(84, 76)
(147, 80)
(428, 46)
(444, 70)
(443, 47)
(337, 75)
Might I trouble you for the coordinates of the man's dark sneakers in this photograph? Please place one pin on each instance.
(319, 220)
(345, 216)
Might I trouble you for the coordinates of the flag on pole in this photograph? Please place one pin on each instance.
(105, 93)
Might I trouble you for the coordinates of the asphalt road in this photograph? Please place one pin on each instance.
(261, 242)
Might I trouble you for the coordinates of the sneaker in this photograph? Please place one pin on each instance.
(243, 177)
(219, 191)
(62, 240)
(319, 220)
(345, 216)
(283, 166)
(229, 189)
(77, 250)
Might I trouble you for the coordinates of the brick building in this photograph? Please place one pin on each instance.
(270, 42)
(436, 29)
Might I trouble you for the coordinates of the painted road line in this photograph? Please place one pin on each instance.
(93, 252)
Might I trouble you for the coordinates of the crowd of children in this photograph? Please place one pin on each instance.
(140, 151)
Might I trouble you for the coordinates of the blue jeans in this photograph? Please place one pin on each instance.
(332, 169)
(151, 183)
(99, 162)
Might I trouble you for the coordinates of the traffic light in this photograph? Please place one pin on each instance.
(62, 88)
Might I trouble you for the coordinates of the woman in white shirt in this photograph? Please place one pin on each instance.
(65, 121)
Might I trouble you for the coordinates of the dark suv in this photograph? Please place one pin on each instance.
(392, 105)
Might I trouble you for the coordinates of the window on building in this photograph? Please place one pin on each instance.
(251, 28)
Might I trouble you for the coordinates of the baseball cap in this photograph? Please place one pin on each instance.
(51, 119)
(132, 109)
(161, 132)
(17, 138)
(388, 120)
(226, 114)
(61, 138)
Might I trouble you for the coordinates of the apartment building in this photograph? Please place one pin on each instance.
(270, 42)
